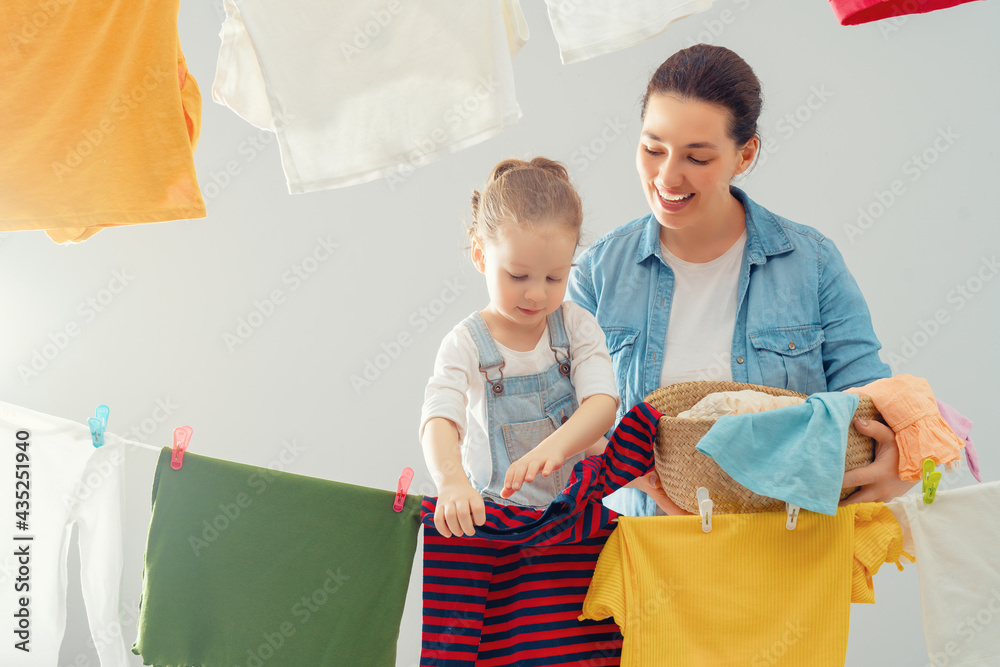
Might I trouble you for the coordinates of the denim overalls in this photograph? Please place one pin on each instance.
(523, 410)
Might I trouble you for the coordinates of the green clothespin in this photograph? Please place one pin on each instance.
(931, 478)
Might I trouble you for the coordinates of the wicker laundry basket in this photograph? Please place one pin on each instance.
(682, 469)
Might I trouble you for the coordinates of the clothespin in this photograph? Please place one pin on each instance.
(704, 509)
(792, 512)
(402, 487)
(931, 479)
(182, 438)
(98, 425)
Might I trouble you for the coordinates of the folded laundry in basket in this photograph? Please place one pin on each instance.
(795, 454)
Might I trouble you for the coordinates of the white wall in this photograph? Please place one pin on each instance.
(889, 91)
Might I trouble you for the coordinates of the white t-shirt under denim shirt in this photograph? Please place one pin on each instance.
(702, 317)
(456, 390)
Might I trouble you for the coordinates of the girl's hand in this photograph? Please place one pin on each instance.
(459, 510)
(543, 459)
(879, 480)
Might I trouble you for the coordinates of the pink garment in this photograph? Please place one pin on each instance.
(961, 425)
(908, 406)
(854, 12)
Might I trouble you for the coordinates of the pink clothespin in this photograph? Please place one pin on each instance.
(402, 488)
(182, 438)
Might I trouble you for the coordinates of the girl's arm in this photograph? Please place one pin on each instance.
(592, 378)
(581, 431)
(459, 508)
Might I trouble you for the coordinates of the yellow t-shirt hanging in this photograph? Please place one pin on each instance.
(100, 117)
(750, 592)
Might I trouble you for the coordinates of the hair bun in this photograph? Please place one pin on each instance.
(475, 203)
(551, 166)
(504, 167)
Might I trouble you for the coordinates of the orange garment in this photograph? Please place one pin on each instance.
(750, 592)
(100, 117)
(907, 404)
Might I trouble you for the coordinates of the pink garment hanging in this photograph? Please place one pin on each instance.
(961, 425)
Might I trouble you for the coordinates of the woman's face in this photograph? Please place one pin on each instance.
(686, 160)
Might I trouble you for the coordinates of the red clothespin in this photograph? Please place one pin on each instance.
(182, 438)
(401, 489)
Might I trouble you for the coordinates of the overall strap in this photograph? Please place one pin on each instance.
(489, 355)
(557, 330)
(559, 340)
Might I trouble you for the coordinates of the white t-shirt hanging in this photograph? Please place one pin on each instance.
(366, 89)
(702, 317)
(589, 28)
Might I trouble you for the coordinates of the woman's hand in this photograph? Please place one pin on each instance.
(459, 510)
(650, 484)
(879, 480)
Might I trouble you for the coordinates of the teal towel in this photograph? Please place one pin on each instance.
(254, 567)
(795, 454)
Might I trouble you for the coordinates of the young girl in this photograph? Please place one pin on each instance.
(522, 389)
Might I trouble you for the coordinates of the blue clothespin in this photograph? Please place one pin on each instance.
(931, 479)
(98, 425)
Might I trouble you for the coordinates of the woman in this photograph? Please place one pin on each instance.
(710, 285)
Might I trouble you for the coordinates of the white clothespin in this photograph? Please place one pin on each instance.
(793, 515)
(704, 509)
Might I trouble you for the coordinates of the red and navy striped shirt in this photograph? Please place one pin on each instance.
(511, 594)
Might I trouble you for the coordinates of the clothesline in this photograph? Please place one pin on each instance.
(139, 444)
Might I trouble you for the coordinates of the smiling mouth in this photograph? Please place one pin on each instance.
(678, 200)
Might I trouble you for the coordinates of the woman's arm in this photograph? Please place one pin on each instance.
(850, 359)
(850, 348)
(580, 289)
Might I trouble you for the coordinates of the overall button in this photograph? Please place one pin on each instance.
(565, 419)
(739, 360)
(791, 345)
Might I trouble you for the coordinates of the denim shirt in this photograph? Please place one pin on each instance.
(801, 320)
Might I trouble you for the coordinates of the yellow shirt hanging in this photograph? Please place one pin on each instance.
(750, 592)
(100, 117)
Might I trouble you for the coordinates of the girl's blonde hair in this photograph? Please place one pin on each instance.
(525, 193)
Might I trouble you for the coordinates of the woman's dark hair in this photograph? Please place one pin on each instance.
(715, 75)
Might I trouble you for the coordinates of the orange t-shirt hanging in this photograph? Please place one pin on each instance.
(100, 119)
